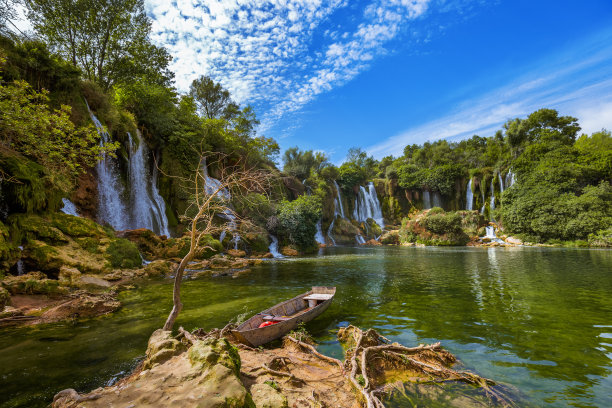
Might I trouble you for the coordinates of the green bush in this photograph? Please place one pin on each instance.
(297, 221)
(123, 253)
(443, 223)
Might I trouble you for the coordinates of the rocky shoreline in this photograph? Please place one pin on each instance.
(212, 370)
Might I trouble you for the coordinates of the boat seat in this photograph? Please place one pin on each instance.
(319, 296)
(276, 318)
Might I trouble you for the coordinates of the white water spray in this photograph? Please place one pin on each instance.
(368, 206)
(469, 197)
(147, 207)
(274, 247)
(69, 207)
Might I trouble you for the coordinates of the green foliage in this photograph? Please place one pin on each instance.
(435, 228)
(439, 223)
(301, 164)
(108, 40)
(123, 253)
(65, 150)
(296, 221)
(212, 99)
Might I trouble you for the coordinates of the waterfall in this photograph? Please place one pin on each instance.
(338, 211)
(274, 247)
(501, 183)
(147, 207)
(482, 210)
(437, 199)
(210, 186)
(360, 240)
(111, 208)
(469, 197)
(368, 206)
(338, 201)
(490, 233)
(319, 235)
(492, 202)
(69, 207)
(426, 200)
(509, 179)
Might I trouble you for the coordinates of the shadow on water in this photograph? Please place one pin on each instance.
(538, 319)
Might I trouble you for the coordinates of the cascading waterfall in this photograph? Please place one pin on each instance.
(509, 179)
(274, 247)
(492, 202)
(501, 182)
(319, 234)
(426, 200)
(147, 207)
(339, 200)
(437, 199)
(111, 208)
(338, 211)
(360, 239)
(69, 207)
(368, 206)
(482, 210)
(211, 185)
(469, 197)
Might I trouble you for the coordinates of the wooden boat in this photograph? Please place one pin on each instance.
(285, 316)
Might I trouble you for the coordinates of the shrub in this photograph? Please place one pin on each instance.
(123, 253)
(296, 221)
(443, 223)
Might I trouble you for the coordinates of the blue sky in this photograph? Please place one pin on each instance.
(329, 75)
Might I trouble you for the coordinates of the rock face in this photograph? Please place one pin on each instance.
(5, 298)
(205, 377)
(266, 396)
(162, 346)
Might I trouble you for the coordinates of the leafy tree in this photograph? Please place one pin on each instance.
(107, 39)
(300, 164)
(65, 149)
(297, 221)
(212, 99)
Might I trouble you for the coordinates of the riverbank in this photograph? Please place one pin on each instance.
(207, 370)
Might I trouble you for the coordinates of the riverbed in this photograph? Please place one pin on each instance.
(537, 319)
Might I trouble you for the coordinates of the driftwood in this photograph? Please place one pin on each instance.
(371, 353)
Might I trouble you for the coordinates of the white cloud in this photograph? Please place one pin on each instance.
(276, 54)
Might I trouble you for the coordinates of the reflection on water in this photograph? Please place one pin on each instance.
(534, 318)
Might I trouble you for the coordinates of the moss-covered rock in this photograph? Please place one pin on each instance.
(33, 283)
(344, 231)
(207, 353)
(9, 252)
(390, 238)
(69, 276)
(161, 347)
(123, 253)
(435, 227)
(5, 298)
(31, 189)
(159, 268)
(266, 396)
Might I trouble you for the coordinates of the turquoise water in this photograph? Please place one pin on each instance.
(538, 319)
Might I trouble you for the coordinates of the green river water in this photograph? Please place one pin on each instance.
(537, 319)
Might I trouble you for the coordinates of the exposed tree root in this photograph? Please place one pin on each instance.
(371, 357)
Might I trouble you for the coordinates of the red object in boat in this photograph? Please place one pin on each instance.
(264, 324)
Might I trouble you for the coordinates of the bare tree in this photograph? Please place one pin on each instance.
(211, 212)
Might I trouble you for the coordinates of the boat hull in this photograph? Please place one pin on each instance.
(255, 337)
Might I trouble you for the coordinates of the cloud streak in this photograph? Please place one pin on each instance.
(577, 83)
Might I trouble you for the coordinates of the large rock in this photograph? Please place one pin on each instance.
(82, 305)
(69, 276)
(266, 396)
(288, 251)
(207, 353)
(162, 346)
(159, 268)
(33, 283)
